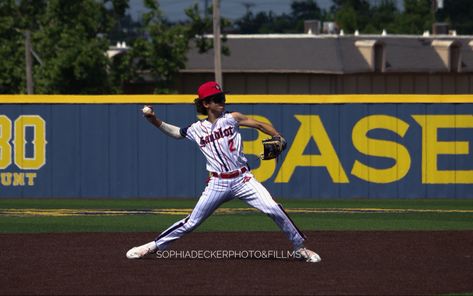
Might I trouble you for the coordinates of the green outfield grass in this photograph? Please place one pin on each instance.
(447, 204)
(446, 214)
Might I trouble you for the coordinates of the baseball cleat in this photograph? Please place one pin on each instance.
(138, 252)
(308, 255)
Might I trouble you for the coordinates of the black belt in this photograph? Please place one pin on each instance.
(230, 175)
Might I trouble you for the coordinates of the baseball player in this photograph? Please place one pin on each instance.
(218, 137)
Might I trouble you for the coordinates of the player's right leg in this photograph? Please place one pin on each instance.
(256, 195)
(216, 193)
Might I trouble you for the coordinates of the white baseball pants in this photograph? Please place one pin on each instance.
(218, 191)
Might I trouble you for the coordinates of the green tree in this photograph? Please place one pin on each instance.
(459, 13)
(304, 10)
(11, 74)
(123, 27)
(351, 15)
(71, 51)
(347, 19)
(69, 38)
(15, 18)
(73, 55)
(251, 24)
(416, 18)
(264, 22)
(383, 16)
(199, 26)
(125, 30)
(268, 22)
(72, 37)
(162, 52)
(283, 23)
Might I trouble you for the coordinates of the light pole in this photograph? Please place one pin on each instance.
(217, 42)
(29, 63)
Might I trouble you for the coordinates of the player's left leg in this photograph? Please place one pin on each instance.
(256, 195)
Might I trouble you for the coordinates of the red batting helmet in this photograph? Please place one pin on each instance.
(209, 89)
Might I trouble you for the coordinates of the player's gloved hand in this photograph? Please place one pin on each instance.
(283, 142)
(273, 147)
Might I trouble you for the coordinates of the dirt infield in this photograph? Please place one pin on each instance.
(356, 263)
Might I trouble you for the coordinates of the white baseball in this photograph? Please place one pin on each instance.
(147, 110)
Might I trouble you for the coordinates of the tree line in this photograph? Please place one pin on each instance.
(416, 17)
(70, 38)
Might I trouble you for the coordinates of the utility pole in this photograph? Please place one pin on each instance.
(206, 7)
(217, 42)
(248, 6)
(29, 63)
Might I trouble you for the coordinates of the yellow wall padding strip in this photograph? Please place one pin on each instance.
(233, 99)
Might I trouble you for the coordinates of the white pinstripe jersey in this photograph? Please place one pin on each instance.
(220, 142)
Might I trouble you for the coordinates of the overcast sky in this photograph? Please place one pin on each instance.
(232, 9)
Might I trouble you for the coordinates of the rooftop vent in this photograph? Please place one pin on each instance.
(373, 51)
(439, 28)
(312, 27)
(449, 52)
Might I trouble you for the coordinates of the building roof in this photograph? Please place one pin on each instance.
(336, 54)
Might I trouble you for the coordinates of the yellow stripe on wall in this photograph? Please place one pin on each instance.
(232, 99)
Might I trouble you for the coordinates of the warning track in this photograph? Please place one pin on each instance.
(220, 211)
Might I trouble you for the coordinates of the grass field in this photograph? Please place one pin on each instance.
(24, 215)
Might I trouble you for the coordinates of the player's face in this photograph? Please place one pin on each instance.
(217, 103)
(218, 99)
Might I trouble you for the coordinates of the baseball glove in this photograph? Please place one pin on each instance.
(273, 147)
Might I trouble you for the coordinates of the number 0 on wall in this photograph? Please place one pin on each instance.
(23, 161)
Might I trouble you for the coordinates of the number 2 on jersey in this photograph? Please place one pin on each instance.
(231, 145)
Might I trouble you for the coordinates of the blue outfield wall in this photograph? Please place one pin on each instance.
(375, 150)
